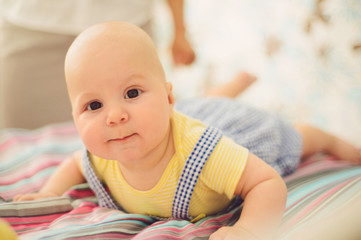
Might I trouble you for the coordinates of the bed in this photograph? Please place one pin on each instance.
(324, 197)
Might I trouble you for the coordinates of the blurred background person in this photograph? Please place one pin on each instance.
(34, 37)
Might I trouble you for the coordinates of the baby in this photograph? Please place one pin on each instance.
(157, 161)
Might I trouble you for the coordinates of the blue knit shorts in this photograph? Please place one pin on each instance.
(266, 135)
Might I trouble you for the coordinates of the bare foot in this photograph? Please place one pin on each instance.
(315, 140)
(345, 151)
(233, 88)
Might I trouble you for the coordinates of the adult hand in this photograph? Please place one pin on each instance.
(182, 51)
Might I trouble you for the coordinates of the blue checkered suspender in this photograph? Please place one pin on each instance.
(187, 182)
(105, 200)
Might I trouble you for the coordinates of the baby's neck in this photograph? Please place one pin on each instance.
(145, 176)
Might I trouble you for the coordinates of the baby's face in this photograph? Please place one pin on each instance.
(121, 104)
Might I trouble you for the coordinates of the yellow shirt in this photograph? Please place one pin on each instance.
(215, 187)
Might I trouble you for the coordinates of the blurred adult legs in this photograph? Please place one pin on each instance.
(32, 85)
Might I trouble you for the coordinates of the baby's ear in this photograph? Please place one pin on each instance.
(169, 88)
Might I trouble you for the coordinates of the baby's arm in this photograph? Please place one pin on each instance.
(265, 194)
(65, 176)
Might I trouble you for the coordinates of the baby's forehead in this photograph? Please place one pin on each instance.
(118, 34)
(128, 42)
(116, 44)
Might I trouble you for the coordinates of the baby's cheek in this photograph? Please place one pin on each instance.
(90, 136)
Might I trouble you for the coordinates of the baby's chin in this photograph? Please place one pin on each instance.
(123, 156)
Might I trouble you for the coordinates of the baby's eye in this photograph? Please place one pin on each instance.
(94, 105)
(133, 93)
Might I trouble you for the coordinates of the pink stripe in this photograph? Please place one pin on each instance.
(29, 171)
(202, 227)
(31, 136)
(26, 228)
(309, 168)
(80, 193)
(26, 220)
(218, 219)
(314, 204)
(190, 234)
(85, 207)
(25, 188)
(302, 198)
(115, 235)
(33, 222)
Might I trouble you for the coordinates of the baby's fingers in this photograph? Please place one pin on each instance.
(232, 233)
(33, 196)
(24, 197)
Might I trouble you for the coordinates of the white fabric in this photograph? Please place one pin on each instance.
(73, 16)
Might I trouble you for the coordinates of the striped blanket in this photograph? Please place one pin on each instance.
(323, 196)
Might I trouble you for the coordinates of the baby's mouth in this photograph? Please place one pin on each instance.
(121, 139)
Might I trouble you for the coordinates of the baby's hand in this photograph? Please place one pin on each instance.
(33, 196)
(232, 233)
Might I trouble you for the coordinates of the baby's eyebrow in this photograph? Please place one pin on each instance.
(133, 77)
(86, 95)
(84, 98)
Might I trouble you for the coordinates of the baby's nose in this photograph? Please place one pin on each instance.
(117, 116)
